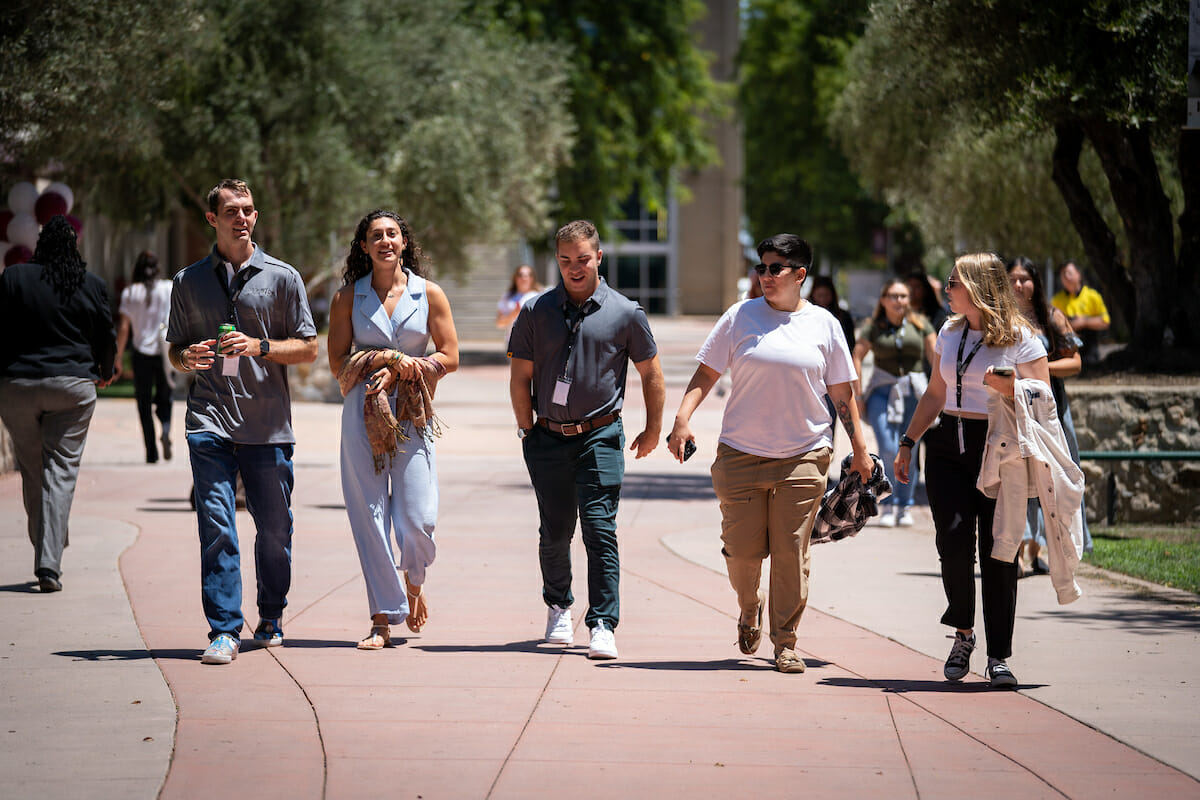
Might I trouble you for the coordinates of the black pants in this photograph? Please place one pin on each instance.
(959, 510)
(153, 393)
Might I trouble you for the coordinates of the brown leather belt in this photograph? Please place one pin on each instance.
(578, 428)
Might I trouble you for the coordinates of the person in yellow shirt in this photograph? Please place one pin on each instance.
(1084, 308)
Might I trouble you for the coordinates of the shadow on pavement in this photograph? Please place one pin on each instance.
(528, 646)
(685, 487)
(909, 687)
(334, 643)
(191, 654)
(27, 587)
(1152, 619)
(726, 664)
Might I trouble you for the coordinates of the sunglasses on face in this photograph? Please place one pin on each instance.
(775, 269)
(952, 282)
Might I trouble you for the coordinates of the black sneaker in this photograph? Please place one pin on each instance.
(958, 664)
(1000, 675)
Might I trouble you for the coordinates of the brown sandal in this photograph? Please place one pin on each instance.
(749, 636)
(379, 638)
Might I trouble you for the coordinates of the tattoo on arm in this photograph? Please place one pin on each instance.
(843, 410)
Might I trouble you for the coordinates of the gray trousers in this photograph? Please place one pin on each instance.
(48, 420)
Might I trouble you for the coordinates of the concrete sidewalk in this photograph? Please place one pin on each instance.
(476, 706)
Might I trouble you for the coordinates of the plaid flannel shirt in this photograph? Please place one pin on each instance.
(846, 507)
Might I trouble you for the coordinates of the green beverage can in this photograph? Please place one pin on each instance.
(221, 331)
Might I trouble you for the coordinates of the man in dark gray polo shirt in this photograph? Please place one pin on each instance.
(570, 351)
(239, 413)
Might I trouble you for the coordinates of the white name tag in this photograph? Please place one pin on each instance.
(229, 366)
(561, 387)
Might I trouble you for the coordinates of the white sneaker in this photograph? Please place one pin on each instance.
(886, 519)
(559, 628)
(904, 518)
(603, 644)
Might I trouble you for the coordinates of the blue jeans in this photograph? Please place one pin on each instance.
(579, 477)
(266, 471)
(887, 439)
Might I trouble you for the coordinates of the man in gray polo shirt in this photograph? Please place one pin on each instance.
(570, 351)
(239, 413)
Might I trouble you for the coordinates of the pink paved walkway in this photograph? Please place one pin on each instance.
(475, 706)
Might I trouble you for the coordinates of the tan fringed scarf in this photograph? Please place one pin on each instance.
(384, 431)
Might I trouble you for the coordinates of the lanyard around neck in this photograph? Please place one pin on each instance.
(574, 323)
(960, 366)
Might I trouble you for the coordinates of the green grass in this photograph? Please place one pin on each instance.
(1167, 556)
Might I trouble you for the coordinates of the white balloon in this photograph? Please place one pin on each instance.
(63, 191)
(22, 197)
(23, 230)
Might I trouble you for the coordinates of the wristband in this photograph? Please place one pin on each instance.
(906, 441)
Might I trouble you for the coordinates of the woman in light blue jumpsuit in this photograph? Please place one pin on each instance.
(386, 305)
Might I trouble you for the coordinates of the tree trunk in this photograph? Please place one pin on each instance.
(1099, 242)
(1183, 321)
(1127, 158)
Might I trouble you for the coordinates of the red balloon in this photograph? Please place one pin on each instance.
(17, 254)
(76, 223)
(6, 217)
(48, 206)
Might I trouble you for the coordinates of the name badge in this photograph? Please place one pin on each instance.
(229, 366)
(561, 387)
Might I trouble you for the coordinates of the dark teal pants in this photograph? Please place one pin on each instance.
(579, 478)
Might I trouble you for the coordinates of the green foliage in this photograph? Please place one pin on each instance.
(955, 108)
(1170, 563)
(797, 178)
(640, 93)
(328, 108)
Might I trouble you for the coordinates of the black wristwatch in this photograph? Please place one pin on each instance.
(264, 347)
(523, 432)
(905, 441)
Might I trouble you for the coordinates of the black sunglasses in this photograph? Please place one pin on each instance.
(776, 269)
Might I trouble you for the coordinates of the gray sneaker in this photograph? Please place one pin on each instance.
(999, 674)
(221, 650)
(958, 664)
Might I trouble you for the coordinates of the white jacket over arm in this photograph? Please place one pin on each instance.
(1026, 456)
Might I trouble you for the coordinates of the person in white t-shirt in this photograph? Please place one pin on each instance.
(145, 306)
(986, 343)
(784, 355)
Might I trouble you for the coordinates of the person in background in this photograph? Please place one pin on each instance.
(925, 298)
(385, 315)
(145, 308)
(786, 355)
(823, 292)
(239, 412)
(524, 287)
(1062, 352)
(987, 333)
(1085, 310)
(570, 351)
(902, 342)
(56, 345)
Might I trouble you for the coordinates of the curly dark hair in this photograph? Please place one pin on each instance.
(58, 253)
(358, 263)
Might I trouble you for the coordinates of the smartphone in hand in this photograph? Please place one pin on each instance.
(1002, 371)
(689, 449)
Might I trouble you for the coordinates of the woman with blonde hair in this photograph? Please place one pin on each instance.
(982, 345)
